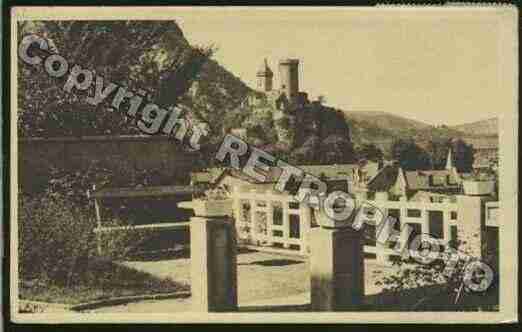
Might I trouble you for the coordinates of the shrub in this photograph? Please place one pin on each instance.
(284, 123)
(55, 238)
(56, 224)
(428, 284)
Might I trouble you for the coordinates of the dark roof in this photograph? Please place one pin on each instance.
(384, 179)
(340, 171)
(271, 177)
(415, 180)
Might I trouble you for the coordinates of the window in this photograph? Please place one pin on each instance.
(278, 214)
(454, 237)
(413, 213)
(294, 226)
(396, 213)
(435, 224)
(453, 215)
(369, 235)
(293, 205)
(245, 212)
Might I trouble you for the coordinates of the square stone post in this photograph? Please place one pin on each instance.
(471, 223)
(337, 269)
(213, 264)
(305, 219)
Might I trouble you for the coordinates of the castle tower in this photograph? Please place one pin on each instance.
(264, 77)
(289, 78)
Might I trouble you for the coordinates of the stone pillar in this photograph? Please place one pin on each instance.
(213, 264)
(286, 224)
(305, 220)
(471, 224)
(337, 269)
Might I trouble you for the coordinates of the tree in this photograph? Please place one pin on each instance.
(336, 149)
(151, 56)
(369, 152)
(306, 153)
(409, 155)
(463, 155)
(438, 150)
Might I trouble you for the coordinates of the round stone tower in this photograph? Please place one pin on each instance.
(289, 78)
(264, 77)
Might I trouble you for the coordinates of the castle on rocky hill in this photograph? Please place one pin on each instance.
(298, 123)
(287, 95)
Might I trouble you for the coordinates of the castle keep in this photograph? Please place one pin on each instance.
(286, 111)
(287, 94)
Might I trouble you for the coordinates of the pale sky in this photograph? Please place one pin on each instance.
(437, 68)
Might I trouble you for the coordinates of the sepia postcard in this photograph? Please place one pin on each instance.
(264, 164)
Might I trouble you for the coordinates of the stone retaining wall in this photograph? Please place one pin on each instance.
(38, 155)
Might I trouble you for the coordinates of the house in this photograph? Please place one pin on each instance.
(485, 151)
(399, 183)
(345, 177)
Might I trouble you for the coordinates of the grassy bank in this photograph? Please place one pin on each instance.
(102, 280)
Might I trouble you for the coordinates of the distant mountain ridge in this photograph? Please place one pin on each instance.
(382, 129)
(217, 94)
(488, 127)
(386, 120)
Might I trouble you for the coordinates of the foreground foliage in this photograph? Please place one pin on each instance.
(57, 248)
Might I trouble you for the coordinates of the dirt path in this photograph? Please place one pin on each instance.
(263, 279)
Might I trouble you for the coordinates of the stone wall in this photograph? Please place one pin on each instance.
(38, 155)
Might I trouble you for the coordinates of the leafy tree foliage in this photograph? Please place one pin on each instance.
(410, 155)
(148, 56)
(336, 150)
(463, 155)
(438, 150)
(369, 152)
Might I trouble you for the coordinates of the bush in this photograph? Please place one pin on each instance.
(55, 238)
(56, 224)
(429, 284)
(284, 123)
